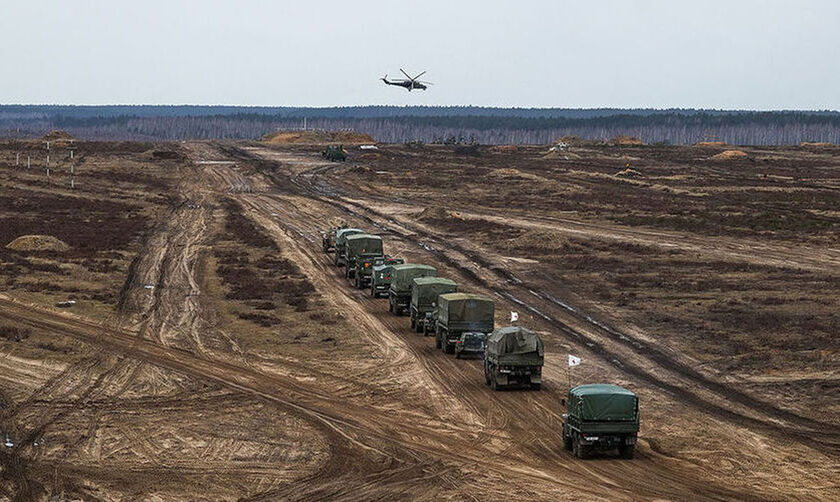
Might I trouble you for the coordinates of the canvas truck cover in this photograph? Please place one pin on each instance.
(342, 233)
(425, 290)
(473, 312)
(401, 275)
(603, 402)
(514, 345)
(363, 244)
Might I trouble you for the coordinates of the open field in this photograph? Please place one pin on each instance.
(214, 353)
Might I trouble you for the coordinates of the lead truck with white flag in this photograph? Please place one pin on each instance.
(601, 417)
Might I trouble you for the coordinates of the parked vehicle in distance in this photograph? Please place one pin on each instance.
(471, 343)
(334, 153)
(341, 236)
(328, 239)
(460, 312)
(359, 252)
(601, 417)
(514, 357)
(424, 295)
(399, 293)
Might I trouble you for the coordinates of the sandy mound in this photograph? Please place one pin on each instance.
(56, 135)
(730, 154)
(37, 243)
(629, 173)
(437, 213)
(317, 137)
(369, 156)
(623, 139)
(816, 143)
(710, 143)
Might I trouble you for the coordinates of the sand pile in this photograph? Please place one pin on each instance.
(37, 243)
(56, 135)
(629, 173)
(710, 143)
(317, 137)
(816, 143)
(542, 240)
(437, 213)
(623, 139)
(730, 154)
(510, 173)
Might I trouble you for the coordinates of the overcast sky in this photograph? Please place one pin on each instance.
(747, 54)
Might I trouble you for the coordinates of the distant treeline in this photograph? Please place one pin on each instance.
(397, 124)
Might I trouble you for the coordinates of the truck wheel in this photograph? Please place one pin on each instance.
(372, 291)
(536, 386)
(486, 375)
(358, 282)
(448, 348)
(567, 442)
(413, 325)
(437, 343)
(493, 383)
(457, 355)
(627, 451)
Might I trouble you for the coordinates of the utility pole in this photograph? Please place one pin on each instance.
(28, 162)
(17, 159)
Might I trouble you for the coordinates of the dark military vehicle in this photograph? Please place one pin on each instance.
(328, 239)
(514, 356)
(334, 153)
(601, 417)
(399, 293)
(340, 236)
(470, 343)
(380, 279)
(460, 312)
(359, 252)
(424, 294)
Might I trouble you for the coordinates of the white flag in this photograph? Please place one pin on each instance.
(574, 360)
(514, 316)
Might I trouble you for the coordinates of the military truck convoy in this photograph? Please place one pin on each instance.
(599, 417)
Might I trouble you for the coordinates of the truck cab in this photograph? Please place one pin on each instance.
(380, 278)
(359, 252)
(341, 236)
(601, 417)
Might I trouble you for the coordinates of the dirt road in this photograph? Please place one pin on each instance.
(342, 401)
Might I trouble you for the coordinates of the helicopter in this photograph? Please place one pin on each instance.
(409, 83)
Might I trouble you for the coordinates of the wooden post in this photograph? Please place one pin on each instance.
(28, 162)
(17, 159)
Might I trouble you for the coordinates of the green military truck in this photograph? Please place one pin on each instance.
(601, 417)
(460, 312)
(334, 153)
(328, 238)
(399, 293)
(359, 252)
(424, 295)
(380, 279)
(341, 235)
(513, 356)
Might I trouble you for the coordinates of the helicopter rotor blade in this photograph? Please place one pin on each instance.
(406, 74)
(420, 75)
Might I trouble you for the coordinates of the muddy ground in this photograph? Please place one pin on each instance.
(214, 353)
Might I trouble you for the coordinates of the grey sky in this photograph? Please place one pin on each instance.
(719, 54)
